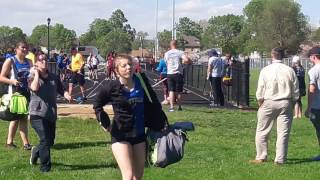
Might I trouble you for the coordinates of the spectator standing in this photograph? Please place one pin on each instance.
(20, 83)
(43, 110)
(77, 68)
(313, 109)
(162, 69)
(90, 65)
(31, 55)
(174, 59)
(300, 72)
(63, 63)
(277, 89)
(214, 74)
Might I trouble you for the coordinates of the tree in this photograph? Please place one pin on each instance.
(115, 41)
(188, 27)
(110, 34)
(62, 38)
(140, 36)
(223, 32)
(316, 35)
(164, 39)
(10, 36)
(39, 36)
(276, 23)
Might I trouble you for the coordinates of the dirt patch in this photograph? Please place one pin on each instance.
(83, 111)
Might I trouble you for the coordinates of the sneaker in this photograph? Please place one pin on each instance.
(171, 110)
(179, 108)
(11, 146)
(257, 161)
(33, 156)
(27, 147)
(165, 102)
(317, 158)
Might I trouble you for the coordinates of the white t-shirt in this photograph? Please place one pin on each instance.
(173, 59)
(314, 77)
(217, 65)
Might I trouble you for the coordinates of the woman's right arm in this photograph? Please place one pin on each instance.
(5, 72)
(101, 99)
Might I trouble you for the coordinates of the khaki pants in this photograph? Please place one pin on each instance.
(281, 111)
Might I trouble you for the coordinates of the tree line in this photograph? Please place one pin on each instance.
(263, 25)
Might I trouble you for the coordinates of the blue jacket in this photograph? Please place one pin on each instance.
(162, 68)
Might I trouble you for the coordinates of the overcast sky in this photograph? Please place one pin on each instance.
(78, 14)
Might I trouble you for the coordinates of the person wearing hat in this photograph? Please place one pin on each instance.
(300, 72)
(313, 108)
(215, 74)
(277, 90)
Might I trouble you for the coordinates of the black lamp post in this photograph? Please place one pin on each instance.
(48, 20)
(141, 39)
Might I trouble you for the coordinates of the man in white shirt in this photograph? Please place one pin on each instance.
(277, 90)
(313, 109)
(174, 59)
(214, 74)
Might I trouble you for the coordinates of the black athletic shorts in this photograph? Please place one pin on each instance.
(131, 140)
(175, 82)
(78, 78)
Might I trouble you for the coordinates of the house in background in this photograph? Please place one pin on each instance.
(191, 44)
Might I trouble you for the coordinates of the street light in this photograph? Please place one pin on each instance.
(141, 39)
(48, 20)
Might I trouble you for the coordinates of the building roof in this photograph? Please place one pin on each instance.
(146, 53)
(191, 41)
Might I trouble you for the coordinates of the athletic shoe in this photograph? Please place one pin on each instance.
(11, 146)
(33, 156)
(27, 147)
(257, 161)
(165, 102)
(171, 110)
(317, 158)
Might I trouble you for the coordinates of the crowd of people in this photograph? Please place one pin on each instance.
(279, 92)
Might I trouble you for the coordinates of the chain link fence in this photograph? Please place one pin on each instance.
(259, 63)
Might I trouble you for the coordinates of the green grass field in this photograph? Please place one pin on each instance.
(219, 148)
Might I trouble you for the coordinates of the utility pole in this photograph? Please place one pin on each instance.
(156, 43)
(173, 21)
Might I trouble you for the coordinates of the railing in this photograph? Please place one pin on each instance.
(259, 63)
(236, 94)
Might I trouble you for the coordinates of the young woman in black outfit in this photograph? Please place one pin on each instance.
(135, 107)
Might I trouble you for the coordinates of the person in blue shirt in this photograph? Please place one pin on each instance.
(9, 53)
(20, 84)
(63, 62)
(162, 69)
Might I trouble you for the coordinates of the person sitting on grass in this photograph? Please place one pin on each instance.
(135, 105)
(44, 87)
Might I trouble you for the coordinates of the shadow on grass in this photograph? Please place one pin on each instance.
(300, 161)
(76, 145)
(74, 167)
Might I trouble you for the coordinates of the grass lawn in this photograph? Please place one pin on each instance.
(219, 148)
